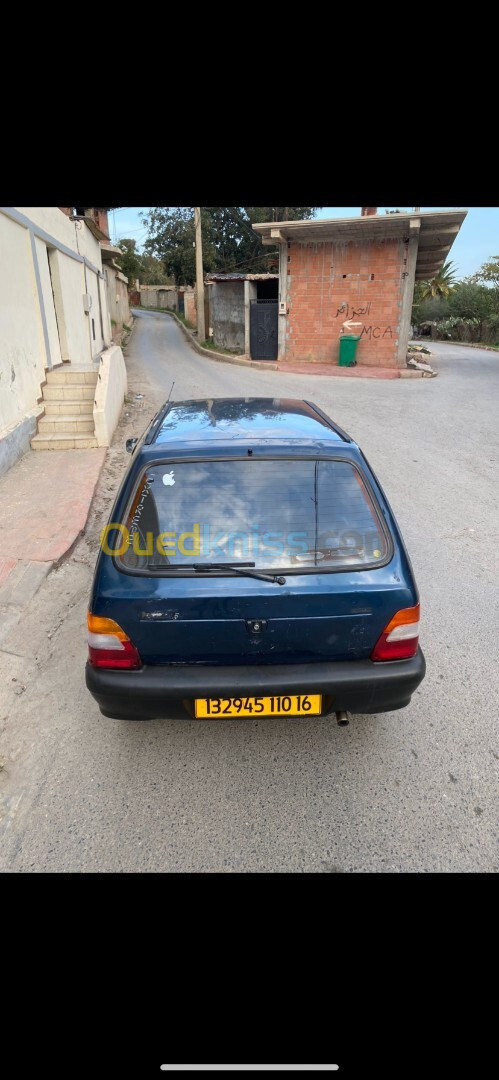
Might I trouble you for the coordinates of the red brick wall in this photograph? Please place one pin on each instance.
(329, 283)
(102, 222)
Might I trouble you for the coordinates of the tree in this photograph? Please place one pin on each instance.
(229, 243)
(172, 239)
(489, 274)
(146, 268)
(489, 271)
(432, 309)
(441, 284)
(473, 303)
(152, 272)
(468, 300)
(129, 261)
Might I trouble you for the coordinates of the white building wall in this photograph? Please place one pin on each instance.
(93, 318)
(48, 301)
(106, 314)
(109, 394)
(117, 293)
(42, 317)
(23, 356)
(70, 289)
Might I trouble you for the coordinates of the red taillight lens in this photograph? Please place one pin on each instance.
(109, 646)
(400, 637)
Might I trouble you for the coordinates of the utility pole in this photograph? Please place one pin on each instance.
(199, 275)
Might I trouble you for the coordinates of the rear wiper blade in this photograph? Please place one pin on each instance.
(328, 553)
(240, 568)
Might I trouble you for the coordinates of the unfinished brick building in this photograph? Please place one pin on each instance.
(361, 270)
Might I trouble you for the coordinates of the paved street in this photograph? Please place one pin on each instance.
(410, 791)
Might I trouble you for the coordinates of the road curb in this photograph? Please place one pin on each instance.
(128, 333)
(464, 344)
(264, 365)
(221, 357)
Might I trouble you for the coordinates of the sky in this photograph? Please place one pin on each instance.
(477, 240)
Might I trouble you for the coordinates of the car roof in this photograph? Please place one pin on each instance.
(248, 421)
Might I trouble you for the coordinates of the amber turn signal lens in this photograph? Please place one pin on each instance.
(97, 624)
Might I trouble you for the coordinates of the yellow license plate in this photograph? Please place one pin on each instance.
(278, 705)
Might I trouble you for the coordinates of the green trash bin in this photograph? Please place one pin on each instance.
(348, 348)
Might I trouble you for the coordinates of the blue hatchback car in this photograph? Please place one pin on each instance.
(251, 567)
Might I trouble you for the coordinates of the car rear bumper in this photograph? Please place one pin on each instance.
(168, 690)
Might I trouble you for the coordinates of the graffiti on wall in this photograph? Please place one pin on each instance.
(376, 332)
(363, 309)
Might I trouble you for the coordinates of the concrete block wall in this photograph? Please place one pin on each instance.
(110, 393)
(227, 314)
(118, 300)
(168, 298)
(190, 311)
(329, 283)
(155, 296)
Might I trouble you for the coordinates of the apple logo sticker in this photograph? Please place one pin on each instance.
(168, 479)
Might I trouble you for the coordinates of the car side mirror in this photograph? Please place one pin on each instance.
(130, 445)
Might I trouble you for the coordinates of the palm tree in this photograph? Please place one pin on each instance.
(440, 285)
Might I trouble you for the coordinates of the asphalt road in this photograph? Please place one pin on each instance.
(409, 791)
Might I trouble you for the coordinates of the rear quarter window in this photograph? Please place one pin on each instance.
(272, 513)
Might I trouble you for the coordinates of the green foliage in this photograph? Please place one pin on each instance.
(210, 344)
(466, 310)
(129, 261)
(182, 318)
(146, 268)
(152, 272)
(489, 271)
(433, 309)
(471, 301)
(229, 243)
(459, 329)
(440, 285)
(172, 239)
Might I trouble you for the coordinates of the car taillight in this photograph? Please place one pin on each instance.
(399, 639)
(109, 646)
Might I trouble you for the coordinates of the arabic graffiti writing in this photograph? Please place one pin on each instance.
(361, 309)
(349, 311)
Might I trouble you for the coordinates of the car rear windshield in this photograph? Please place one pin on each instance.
(289, 514)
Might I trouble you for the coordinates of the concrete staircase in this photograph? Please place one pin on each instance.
(68, 401)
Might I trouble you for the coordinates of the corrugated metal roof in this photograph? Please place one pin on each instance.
(241, 277)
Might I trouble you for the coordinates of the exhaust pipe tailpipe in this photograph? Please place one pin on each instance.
(343, 718)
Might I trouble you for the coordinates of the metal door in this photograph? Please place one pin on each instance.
(263, 329)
